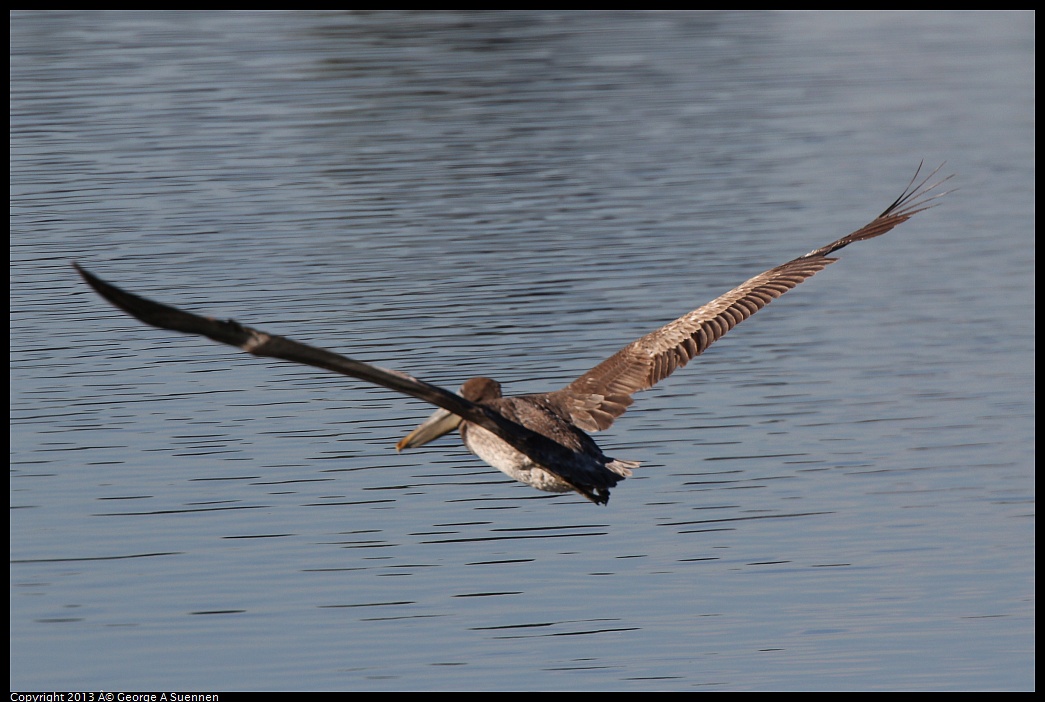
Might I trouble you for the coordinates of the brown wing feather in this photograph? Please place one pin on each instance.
(602, 394)
(555, 457)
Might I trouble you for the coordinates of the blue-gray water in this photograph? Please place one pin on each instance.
(838, 495)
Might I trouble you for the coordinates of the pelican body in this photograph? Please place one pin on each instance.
(538, 412)
(541, 439)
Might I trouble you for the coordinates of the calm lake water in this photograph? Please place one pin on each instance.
(839, 495)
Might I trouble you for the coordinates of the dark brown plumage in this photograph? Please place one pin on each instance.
(540, 439)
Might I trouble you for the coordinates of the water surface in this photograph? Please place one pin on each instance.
(839, 495)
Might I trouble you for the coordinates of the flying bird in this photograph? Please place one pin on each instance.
(542, 439)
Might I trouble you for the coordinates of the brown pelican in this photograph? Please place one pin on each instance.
(540, 439)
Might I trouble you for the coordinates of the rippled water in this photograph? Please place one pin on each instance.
(839, 495)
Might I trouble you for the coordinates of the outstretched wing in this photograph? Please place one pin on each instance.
(544, 451)
(602, 394)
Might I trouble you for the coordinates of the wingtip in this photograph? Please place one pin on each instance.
(916, 196)
(84, 274)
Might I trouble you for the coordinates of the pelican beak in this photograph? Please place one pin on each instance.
(441, 422)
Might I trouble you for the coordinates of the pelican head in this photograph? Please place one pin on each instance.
(443, 421)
